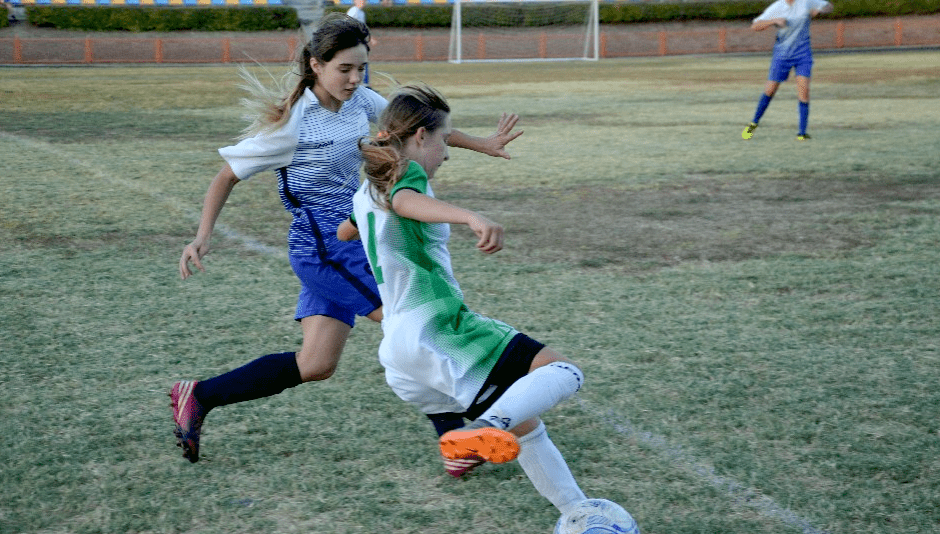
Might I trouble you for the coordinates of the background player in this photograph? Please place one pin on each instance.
(792, 50)
(358, 12)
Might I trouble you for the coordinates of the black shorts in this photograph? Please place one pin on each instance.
(512, 365)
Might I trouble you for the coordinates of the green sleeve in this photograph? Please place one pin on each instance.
(414, 178)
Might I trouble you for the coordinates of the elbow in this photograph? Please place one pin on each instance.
(347, 231)
(227, 177)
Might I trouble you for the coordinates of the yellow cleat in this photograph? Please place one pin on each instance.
(749, 131)
(803, 137)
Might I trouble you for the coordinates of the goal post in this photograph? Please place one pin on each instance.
(524, 30)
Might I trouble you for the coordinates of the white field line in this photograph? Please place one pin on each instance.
(739, 494)
(139, 186)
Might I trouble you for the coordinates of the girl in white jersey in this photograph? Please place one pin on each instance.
(439, 356)
(310, 139)
(792, 50)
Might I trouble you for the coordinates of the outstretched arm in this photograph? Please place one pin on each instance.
(823, 10)
(492, 145)
(218, 193)
(414, 205)
(761, 25)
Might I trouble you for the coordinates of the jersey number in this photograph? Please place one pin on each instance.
(373, 257)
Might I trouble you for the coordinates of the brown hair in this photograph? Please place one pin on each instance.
(270, 107)
(410, 108)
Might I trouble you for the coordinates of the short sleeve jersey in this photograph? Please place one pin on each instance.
(316, 157)
(431, 339)
(357, 13)
(794, 40)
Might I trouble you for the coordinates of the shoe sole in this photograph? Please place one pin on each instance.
(189, 444)
(190, 450)
(490, 444)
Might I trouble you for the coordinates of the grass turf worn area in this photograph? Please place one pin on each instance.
(756, 319)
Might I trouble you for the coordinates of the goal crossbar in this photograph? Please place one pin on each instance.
(520, 35)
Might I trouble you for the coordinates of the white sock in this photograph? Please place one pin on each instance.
(534, 394)
(547, 469)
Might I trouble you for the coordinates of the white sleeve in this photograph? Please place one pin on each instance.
(772, 12)
(817, 4)
(376, 104)
(265, 151)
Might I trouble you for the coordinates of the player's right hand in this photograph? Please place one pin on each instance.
(193, 252)
(489, 232)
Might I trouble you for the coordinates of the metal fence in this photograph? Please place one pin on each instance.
(432, 45)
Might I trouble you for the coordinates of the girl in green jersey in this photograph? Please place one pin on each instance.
(446, 360)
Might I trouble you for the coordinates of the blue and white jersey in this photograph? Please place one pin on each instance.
(357, 13)
(317, 159)
(794, 39)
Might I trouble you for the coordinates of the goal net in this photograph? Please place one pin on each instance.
(524, 30)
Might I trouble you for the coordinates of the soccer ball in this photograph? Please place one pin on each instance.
(597, 516)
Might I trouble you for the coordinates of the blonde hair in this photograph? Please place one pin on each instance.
(410, 108)
(269, 107)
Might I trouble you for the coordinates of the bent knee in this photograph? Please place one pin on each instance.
(315, 367)
(577, 375)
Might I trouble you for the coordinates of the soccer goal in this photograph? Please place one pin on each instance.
(524, 30)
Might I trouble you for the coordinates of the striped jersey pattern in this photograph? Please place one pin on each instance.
(318, 185)
(316, 158)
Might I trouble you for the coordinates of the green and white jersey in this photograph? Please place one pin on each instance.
(437, 353)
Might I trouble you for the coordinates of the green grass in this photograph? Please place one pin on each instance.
(757, 320)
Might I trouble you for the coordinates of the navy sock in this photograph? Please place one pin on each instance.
(804, 117)
(761, 107)
(266, 376)
(445, 422)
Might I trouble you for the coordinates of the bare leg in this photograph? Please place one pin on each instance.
(802, 88)
(770, 88)
(324, 340)
(802, 92)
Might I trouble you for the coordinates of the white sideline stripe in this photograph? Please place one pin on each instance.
(740, 494)
(142, 186)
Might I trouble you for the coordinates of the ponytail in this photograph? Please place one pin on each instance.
(412, 107)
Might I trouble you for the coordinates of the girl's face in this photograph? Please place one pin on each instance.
(338, 78)
(429, 148)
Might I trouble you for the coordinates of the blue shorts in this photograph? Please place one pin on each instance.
(780, 67)
(339, 284)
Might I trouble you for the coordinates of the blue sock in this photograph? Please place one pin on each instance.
(761, 107)
(266, 376)
(804, 117)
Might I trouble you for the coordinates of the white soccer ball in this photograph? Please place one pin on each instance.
(597, 516)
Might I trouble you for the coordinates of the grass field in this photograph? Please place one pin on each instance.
(758, 321)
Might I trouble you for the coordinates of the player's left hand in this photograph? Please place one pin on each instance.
(496, 143)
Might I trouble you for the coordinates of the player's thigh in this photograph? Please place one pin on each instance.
(324, 340)
(779, 71)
